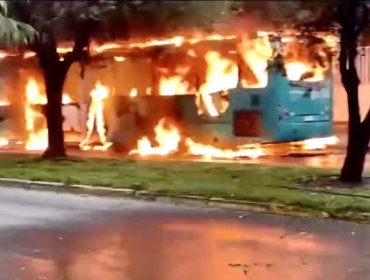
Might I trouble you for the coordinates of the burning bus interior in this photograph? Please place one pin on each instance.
(207, 96)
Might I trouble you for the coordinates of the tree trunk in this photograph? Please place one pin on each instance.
(353, 17)
(355, 158)
(54, 81)
(356, 148)
(55, 70)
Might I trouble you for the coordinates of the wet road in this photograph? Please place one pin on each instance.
(62, 236)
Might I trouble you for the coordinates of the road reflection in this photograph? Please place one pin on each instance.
(183, 249)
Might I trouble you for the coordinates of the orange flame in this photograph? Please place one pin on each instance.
(133, 92)
(256, 54)
(176, 41)
(37, 139)
(4, 142)
(222, 74)
(148, 91)
(96, 116)
(119, 58)
(167, 137)
(27, 55)
(66, 99)
(319, 143)
(211, 152)
(295, 71)
(3, 55)
(174, 85)
(97, 49)
(4, 102)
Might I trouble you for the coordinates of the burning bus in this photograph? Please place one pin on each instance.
(207, 95)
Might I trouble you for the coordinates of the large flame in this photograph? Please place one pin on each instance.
(37, 134)
(256, 53)
(95, 48)
(174, 85)
(96, 117)
(167, 137)
(221, 75)
(296, 70)
(37, 137)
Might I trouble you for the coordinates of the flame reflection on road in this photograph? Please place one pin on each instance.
(168, 248)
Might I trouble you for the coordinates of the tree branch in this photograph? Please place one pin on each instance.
(81, 44)
(46, 49)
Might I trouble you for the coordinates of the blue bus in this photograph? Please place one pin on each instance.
(283, 111)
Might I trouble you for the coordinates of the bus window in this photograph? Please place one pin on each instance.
(254, 54)
(174, 74)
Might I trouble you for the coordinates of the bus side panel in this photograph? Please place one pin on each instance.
(270, 110)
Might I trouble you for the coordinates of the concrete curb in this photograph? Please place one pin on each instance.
(188, 200)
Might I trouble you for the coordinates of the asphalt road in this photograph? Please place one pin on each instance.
(62, 236)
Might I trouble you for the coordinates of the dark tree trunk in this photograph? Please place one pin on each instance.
(55, 70)
(54, 81)
(358, 133)
(353, 165)
(354, 162)
(357, 148)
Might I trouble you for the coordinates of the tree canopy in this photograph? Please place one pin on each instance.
(14, 33)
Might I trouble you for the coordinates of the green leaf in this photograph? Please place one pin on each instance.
(3, 8)
(14, 34)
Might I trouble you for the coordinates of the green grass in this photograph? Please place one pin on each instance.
(258, 183)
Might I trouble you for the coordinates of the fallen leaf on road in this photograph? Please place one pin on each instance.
(238, 265)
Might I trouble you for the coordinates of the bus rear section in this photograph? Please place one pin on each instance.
(284, 111)
(298, 110)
